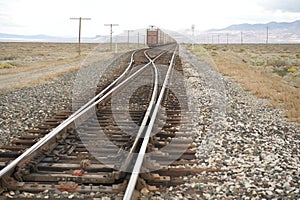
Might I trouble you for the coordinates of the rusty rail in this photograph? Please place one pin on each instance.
(153, 111)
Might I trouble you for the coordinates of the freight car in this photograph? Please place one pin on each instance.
(156, 37)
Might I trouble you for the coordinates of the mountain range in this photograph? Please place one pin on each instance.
(136, 36)
(273, 32)
(291, 26)
(5, 37)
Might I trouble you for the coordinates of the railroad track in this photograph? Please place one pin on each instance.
(134, 137)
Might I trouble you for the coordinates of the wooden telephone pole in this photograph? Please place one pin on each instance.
(111, 32)
(193, 34)
(128, 31)
(79, 36)
(267, 40)
(138, 39)
(226, 38)
(242, 38)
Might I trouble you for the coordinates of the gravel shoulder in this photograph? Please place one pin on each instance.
(26, 107)
(253, 147)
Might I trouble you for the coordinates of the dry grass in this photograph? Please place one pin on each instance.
(6, 65)
(267, 71)
(45, 78)
(37, 63)
(29, 56)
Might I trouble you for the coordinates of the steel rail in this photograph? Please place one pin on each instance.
(107, 88)
(151, 103)
(149, 110)
(139, 161)
(97, 99)
(74, 116)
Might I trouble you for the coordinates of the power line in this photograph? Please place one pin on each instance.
(226, 38)
(241, 37)
(79, 35)
(267, 40)
(138, 39)
(111, 32)
(193, 32)
(128, 36)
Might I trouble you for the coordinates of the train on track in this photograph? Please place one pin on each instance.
(156, 37)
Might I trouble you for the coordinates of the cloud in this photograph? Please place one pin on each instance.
(283, 5)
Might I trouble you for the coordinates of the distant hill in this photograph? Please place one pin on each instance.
(5, 37)
(136, 36)
(278, 32)
(290, 26)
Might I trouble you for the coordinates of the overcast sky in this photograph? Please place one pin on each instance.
(52, 17)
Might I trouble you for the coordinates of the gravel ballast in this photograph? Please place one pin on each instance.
(25, 108)
(254, 148)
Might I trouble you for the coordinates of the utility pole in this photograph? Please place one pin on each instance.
(227, 38)
(193, 32)
(267, 40)
(116, 47)
(241, 37)
(111, 32)
(138, 39)
(79, 36)
(128, 37)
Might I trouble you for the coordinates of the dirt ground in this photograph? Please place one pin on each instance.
(268, 71)
(24, 64)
